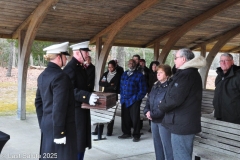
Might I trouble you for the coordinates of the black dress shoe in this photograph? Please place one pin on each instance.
(125, 136)
(135, 139)
(94, 133)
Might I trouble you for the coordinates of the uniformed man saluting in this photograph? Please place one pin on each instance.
(55, 107)
(78, 75)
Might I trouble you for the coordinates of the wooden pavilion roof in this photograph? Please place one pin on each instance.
(139, 23)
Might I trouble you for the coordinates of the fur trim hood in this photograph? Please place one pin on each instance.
(197, 62)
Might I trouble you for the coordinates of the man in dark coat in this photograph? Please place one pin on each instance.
(90, 68)
(55, 107)
(226, 99)
(78, 75)
(182, 103)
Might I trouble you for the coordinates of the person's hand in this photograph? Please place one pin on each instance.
(148, 115)
(93, 98)
(60, 140)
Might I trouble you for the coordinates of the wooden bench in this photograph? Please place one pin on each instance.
(218, 140)
(207, 99)
(142, 106)
(102, 117)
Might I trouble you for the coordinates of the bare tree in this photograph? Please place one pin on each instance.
(120, 55)
(10, 59)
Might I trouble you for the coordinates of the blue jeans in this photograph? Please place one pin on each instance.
(162, 142)
(182, 146)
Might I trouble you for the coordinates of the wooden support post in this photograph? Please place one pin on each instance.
(25, 44)
(97, 55)
(22, 76)
(203, 50)
(238, 59)
(156, 50)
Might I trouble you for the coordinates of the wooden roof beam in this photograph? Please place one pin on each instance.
(216, 48)
(195, 21)
(26, 22)
(113, 30)
(216, 38)
(236, 49)
(182, 30)
(121, 22)
(5, 36)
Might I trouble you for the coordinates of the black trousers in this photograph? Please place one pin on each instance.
(131, 118)
(3, 139)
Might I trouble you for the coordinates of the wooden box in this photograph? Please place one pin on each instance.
(105, 101)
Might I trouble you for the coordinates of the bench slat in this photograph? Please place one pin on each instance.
(209, 154)
(218, 145)
(216, 150)
(222, 123)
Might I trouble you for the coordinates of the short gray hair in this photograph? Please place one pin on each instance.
(187, 53)
(227, 55)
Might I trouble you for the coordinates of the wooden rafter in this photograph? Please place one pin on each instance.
(182, 30)
(25, 44)
(25, 23)
(216, 48)
(216, 38)
(121, 22)
(114, 29)
(195, 21)
(5, 36)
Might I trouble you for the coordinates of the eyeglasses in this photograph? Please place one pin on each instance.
(221, 61)
(175, 58)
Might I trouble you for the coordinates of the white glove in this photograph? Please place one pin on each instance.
(93, 98)
(60, 140)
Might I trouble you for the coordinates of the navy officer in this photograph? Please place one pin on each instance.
(78, 75)
(55, 107)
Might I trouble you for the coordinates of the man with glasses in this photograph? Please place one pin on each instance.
(226, 99)
(182, 103)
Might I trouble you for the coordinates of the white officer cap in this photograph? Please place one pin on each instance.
(58, 48)
(81, 46)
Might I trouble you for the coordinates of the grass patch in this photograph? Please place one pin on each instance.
(7, 84)
(8, 99)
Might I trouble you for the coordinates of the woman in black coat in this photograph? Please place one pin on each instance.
(55, 109)
(161, 135)
(110, 80)
(152, 74)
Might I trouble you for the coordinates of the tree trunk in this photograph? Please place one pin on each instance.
(120, 55)
(39, 61)
(31, 59)
(14, 57)
(10, 60)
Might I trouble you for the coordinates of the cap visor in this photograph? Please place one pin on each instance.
(85, 49)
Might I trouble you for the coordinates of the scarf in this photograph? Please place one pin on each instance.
(110, 75)
(130, 71)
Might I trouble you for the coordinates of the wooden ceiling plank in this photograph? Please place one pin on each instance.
(121, 22)
(195, 21)
(178, 33)
(234, 49)
(25, 23)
